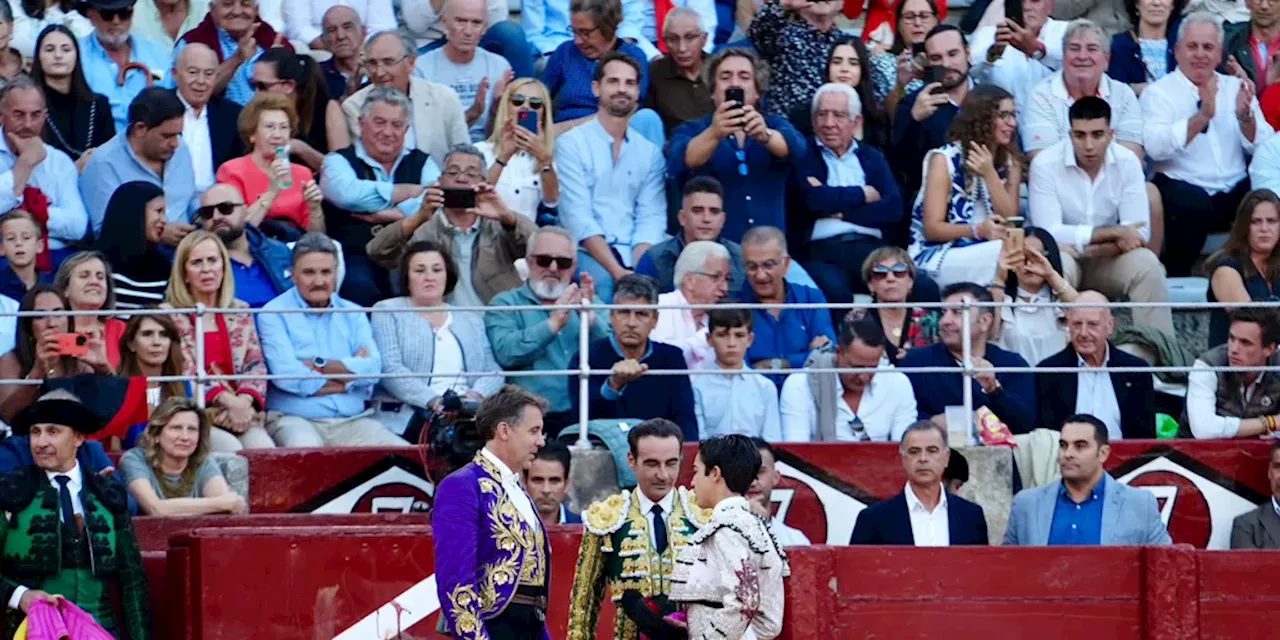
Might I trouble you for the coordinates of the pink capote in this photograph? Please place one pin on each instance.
(62, 621)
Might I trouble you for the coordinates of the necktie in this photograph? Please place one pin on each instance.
(659, 529)
(64, 498)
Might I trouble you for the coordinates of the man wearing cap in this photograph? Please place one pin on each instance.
(66, 531)
(117, 64)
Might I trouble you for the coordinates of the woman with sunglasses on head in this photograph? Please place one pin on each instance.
(1247, 267)
(79, 120)
(149, 348)
(37, 355)
(320, 125)
(284, 199)
(899, 70)
(32, 18)
(890, 275)
(426, 337)
(170, 472)
(202, 275)
(521, 162)
(1030, 278)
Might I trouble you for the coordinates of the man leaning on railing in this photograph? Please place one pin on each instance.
(1238, 404)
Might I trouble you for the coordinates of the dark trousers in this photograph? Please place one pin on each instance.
(1190, 215)
(836, 265)
(516, 622)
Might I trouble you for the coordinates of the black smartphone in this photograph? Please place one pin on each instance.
(917, 48)
(459, 198)
(934, 74)
(1013, 12)
(528, 120)
(736, 94)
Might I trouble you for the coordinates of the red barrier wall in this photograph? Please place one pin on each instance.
(320, 581)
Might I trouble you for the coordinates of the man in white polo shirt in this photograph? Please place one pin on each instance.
(1091, 194)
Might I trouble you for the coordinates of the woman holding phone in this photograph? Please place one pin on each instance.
(1029, 275)
(970, 189)
(520, 150)
(897, 71)
(40, 353)
(86, 280)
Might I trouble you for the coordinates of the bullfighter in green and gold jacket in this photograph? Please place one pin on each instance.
(66, 531)
(621, 545)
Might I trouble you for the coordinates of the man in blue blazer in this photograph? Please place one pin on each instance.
(1087, 508)
(924, 514)
(1125, 402)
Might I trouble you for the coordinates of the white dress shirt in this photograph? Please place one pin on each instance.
(1013, 71)
(1069, 204)
(1215, 159)
(302, 18)
(1043, 119)
(1030, 328)
(1202, 405)
(515, 491)
(788, 536)
(520, 184)
(888, 407)
(447, 361)
(74, 487)
(928, 529)
(1096, 396)
(842, 171)
(195, 134)
(677, 327)
(668, 503)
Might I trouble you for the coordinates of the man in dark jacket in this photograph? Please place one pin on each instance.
(1125, 402)
(701, 217)
(260, 265)
(1239, 40)
(1260, 528)
(629, 354)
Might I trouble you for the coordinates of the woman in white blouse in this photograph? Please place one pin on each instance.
(425, 337)
(30, 17)
(1028, 280)
(520, 161)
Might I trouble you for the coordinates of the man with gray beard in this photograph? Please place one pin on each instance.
(612, 196)
(545, 340)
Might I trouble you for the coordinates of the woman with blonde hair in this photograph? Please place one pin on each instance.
(170, 472)
(890, 275)
(202, 275)
(521, 166)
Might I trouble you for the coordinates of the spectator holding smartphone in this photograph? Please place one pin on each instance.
(86, 281)
(1029, 275)
(520, 151)
(37, 355)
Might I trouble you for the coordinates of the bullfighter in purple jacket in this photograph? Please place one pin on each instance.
(493, 559)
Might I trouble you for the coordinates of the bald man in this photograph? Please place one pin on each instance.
(209, 124)
(476, 75)
(259, 264)
(1125, 402)
(342, 36)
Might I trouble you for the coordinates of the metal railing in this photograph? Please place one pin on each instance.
(585, 310)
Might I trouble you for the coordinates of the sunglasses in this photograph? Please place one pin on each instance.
(224, 208)
(545, 262)
(535, 102)
(109, 15)
(880, 271)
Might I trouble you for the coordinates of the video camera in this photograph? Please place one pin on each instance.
(448, 437)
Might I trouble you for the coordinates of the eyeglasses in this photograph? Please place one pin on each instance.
(110, 15)
(224, 208)
(767, 265)
(385, 63)
(562, 263)
(689, 39)
(470, 175)
(715, 277)
(258, 85)
(585, 33)
(897, 270)
(1008, 117)
(917, 17)
(535, 102)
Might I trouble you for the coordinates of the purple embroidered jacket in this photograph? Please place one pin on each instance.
(484, 549)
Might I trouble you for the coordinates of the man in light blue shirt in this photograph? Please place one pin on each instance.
(27, 162)
(612, 194)
(150, 149)
(374, 182)
(320, 410)
(743, 402)
(110, 48)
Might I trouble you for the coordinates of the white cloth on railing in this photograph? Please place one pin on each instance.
(1036, 457)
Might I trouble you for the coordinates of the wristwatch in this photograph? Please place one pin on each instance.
(319, 362)
(1039, 53)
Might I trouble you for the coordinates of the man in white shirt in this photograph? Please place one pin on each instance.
(479, 77)
(304, 19)
(761, 498)
(27, 163)
(702, 277)
(849, 407)
(1090, 193)
(194, 72)
(923, 515)
(1016, 57)
(1244, 404)
(1199, 126)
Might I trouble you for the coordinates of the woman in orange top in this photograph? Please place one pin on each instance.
(283, 198)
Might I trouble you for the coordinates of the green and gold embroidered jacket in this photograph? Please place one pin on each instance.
(617, 550)
(32, 553)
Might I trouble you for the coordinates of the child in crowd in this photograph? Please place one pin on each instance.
(20, 243)
(746, 403)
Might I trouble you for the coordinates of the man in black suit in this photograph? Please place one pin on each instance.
(1260, 528)
(1125, 402)
(209, 126)
(924, 514)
